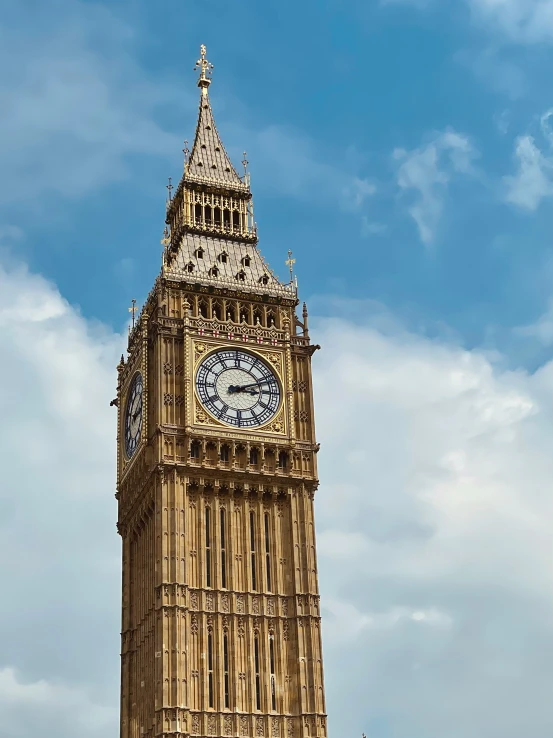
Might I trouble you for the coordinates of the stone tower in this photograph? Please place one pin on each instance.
(216, 478)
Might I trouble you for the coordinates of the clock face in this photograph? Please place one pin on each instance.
(133, 416)
(238, 388)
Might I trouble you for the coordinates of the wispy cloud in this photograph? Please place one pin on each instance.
(426, 173)
(75, 105)
(533, 179)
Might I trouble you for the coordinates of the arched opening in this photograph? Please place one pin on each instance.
(198, 213)
(217, 217)
(207, 214)
(226, 219)
(236, 220)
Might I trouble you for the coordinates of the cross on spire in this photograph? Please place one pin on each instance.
(290, 263)
(169, 188)
(205, 68)
(133, 310)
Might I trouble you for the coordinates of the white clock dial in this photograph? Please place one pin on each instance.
(238, 388)
(133, 416)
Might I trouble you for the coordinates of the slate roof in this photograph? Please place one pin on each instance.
(209, 161)
(223, 264)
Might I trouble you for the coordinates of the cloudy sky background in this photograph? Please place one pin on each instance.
(404, 151)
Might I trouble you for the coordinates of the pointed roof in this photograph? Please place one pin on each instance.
(209, 161)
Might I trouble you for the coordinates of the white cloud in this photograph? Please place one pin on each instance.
(525, 21)
(60, 622)
(542, 329)
(60, 709)
(428, 171)
(520, 21)
(533, 180)
(434, 535)
(75, 104)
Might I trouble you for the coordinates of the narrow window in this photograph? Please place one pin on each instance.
(217, 217)
(225, 453)
(200, 253)
(246, 261)
(189, 267)
(225, 669)
(267, 553)
(273, 677)
(235, 220)
(252, 550)
(214, 272)
(198, 213)
(210, 667)
(257, 675)
(208, 546)
(282, 460)
(195, 450)
(226, 219)
(223, 257)
(223, 550)
(231, 315)
(254, 456)
(207, 214)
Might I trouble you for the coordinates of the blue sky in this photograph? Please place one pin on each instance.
(403, 150)
(322, 102)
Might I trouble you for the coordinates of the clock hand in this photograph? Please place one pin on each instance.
(247, 386)
(234, 389)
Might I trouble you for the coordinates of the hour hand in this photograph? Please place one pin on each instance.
(245, 388)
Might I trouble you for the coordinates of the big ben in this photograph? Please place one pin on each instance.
(216, 477)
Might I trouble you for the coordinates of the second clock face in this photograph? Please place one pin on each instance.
(238, 388)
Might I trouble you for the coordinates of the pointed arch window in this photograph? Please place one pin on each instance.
(246, 261)
(189, 267)
(199, 253)
(223, 257)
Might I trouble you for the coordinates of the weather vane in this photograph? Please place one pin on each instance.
(290, 263)
(133, 310)
(205, 68)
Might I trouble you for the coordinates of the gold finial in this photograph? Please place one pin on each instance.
(205, 68)
(169, 189)
(133, 310)
(290, 263)
(245, 163)
(186, 152)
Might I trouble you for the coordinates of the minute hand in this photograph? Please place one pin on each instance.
(255, 384)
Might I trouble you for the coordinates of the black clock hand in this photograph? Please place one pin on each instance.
(243, 387)
(233, 390)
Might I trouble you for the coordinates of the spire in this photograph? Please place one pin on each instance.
(208, 162)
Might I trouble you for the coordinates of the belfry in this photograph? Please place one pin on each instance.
(216, 477)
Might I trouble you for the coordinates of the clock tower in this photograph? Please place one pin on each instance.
(216, 478)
